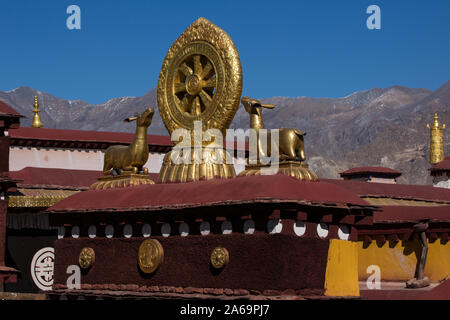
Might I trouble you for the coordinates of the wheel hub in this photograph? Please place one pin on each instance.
(193, 85)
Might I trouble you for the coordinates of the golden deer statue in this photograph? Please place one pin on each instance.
(130, 159)
(291, 141)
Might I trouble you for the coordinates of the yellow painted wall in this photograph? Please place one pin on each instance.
(341, 276)
(398, 263)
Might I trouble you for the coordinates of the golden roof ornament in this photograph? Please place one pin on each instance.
(36, 119)
(291, 147)
(436, 140)
(200, 79)
(200, 83)
(124, 165)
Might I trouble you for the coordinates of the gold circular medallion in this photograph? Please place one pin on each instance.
(200, 79)
(86, 258)
(150, 255)
(219, 257)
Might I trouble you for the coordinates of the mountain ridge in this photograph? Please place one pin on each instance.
(342, 132)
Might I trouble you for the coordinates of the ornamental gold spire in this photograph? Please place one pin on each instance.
(36, 119)
(436, 141)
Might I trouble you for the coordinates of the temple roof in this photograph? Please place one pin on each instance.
(43, 187)
(400, 214)
(9, 118)
(371, 171)
(6, 110)
(44, 137)
(55, 178)
(241, 190)
(443, 165)
(397, 191)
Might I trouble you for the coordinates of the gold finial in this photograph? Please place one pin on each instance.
(36, 119)
(436, 141)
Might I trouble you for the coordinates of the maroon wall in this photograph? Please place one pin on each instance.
(4, 154)
(258, 262)
(3, 207)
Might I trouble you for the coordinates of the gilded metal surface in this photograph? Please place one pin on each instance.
(378, 201)
(206, 170)
(86, 258)
(220, 257)
(436, 141)
(150, 255)
(291, 141)
(254, 109)
(121, 181)
(291, 147)
(32, 202)
(130, 159)
(200, 79)
(37, 198)
(36, 119)
(295, 169)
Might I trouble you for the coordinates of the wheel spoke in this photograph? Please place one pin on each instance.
(197, 108)
(185, 69)
(208, 71)
(185, 104)
(197, 65)
(206, 99)
(211, 83)
(180, 87)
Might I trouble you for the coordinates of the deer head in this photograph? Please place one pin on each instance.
(254, 106)
(144, 119)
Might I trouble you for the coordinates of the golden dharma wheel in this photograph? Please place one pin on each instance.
(150, 255)
(220, 257)
(200, 79)
(86, 258)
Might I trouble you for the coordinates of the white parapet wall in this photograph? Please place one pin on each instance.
(76, 159)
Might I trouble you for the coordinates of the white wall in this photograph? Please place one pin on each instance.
(76, 159)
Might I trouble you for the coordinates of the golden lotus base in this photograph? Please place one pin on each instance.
(295, 169)
(121, 181)
(205, 169)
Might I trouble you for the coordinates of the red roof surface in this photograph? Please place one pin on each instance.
(44, 137)
(399, 191)
(252, 189)
(397, 214)
(55, 177)
(444, 165)
(7, 110)
(370, 170)
(58, 178)
(84, 136)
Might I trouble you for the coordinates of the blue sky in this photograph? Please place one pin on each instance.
(287, 48)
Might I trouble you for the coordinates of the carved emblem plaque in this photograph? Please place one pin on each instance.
(86, 258)
(220, 257)
(150, 255)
